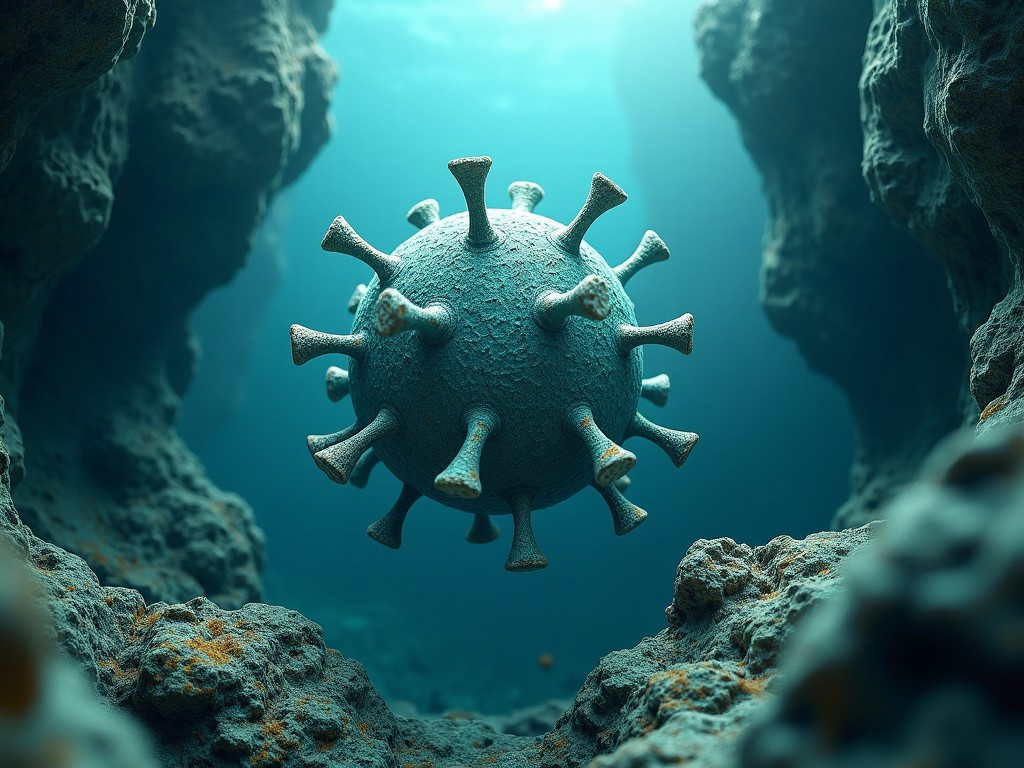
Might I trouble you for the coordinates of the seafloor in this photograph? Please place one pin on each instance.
(890, 139)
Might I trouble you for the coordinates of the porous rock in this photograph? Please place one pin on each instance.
(224, 104)
(688, 692)
(53, 47)
(920, 659)
(867, 305)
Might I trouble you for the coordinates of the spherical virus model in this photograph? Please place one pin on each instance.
(495, 364)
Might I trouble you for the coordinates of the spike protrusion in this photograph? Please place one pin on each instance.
(341, 238)
(361, 471)
(656, 389)
(604, 195)
(483, 529)
(356, 298)
(388, 530)
(307, 344)
(677, 334)
(337, 383)
(471, 173)
(610, 460)
(676, 443)
(525, 195)
(623, 483)
(424, 213)
(625, 515)
(340, 459)
(316, 443)
(589, 298)
(395, 314)
(651, 250)
(461, 478)
(524, 555)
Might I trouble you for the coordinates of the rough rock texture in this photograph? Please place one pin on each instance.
(908, 177)
(62, 45)
(944, 152)
(256, 686)
(50, 717)
(865, 303)
(225, 103)
(687, 693)
(920, 660)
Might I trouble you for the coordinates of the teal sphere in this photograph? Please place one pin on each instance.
(499, 355)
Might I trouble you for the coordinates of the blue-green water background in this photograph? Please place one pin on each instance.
(552, 91)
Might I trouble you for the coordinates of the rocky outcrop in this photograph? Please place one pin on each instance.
(919, 660)
(50, 48)
(942, 91)
(687, 693)
(257, 684)
(225, 103)
(866, 304)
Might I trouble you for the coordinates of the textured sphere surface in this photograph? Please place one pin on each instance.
(497, 355)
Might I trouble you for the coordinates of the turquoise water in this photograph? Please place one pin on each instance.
(552, 91)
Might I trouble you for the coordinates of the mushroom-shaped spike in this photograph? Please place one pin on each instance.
(525, 195)
(623, 483)
(424, 213)
(341, 238)
(340, 459)
(471, 173)
(625, 515)
(524, 555)
(676, 443)
(588, 299)
(604, 195)
(316, 443)
(337, 383)
(395, 314)
(361, 471)
(388, 530)
(356, 298)
(307, 344)
(656, 389)
(610, 460)
(461, 478)
(677, 334)
(483, 529)
(651, 250)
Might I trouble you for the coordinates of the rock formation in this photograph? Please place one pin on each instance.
(224, 104)
(866, 304)
(925, 641)
(258, 685)
(900, 642)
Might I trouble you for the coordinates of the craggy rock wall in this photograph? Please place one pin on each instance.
(224, 104)
(902, 645)
(943, 105)
(867, 305)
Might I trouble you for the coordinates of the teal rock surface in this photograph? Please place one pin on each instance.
(835, 269)
(171, 129)
(919, 660)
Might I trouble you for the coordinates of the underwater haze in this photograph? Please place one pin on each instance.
(552, 90)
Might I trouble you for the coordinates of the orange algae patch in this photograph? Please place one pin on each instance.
(752, 686)
(994, 407)
(215, 627)
(219, 650)
(119, 672)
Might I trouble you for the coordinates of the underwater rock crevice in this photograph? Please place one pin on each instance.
(857, 286)
(224, 104)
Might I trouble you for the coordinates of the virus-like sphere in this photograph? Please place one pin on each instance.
(495, 364)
